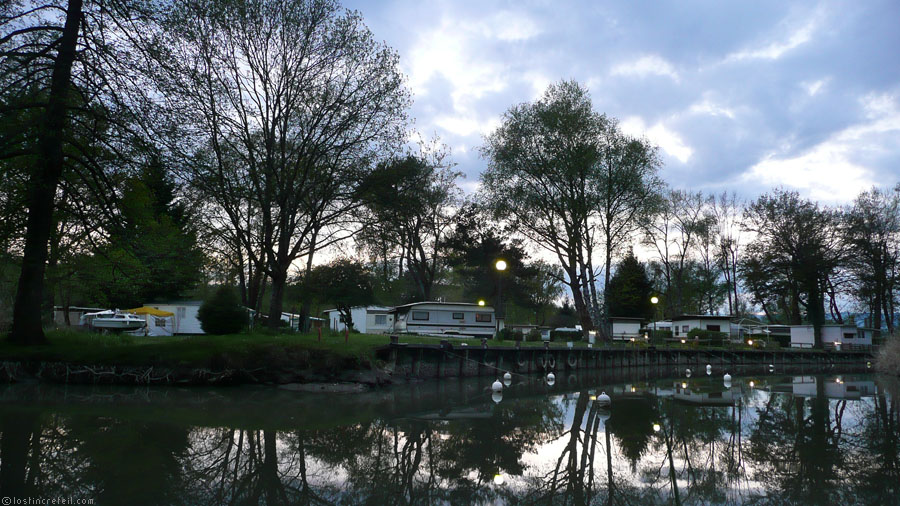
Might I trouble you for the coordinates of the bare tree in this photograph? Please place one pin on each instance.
(290, 103)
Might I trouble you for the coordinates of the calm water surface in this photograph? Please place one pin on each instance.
(826, 439)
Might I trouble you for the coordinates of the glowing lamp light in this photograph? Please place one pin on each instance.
(752, 384)
(750, 342)
(683, 341)
(498, 479)
(500, 265)
(656, 427)
(654, 300)
(481, 303)
(633, 390)
(683, 385)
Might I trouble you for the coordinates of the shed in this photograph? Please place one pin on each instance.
(366, 319)
(683, 324)
(186, 321)
(624, 327)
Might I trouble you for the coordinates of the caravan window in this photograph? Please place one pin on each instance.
(849, 336)
(459, 316)
(381, 319)
(420, 315)
(482, 317)
(713, 328)
(160, 322)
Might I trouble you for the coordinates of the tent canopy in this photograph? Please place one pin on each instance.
(150, 311)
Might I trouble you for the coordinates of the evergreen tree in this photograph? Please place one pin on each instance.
(222, 313)
(630, 290)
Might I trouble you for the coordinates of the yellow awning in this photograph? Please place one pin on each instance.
(150, 311)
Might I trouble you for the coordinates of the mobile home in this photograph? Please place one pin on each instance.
(803, 336)
(186, 321)
(444, 318)
(366, 319)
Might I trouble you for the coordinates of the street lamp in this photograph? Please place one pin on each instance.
(481, 302)
(654, 300)
(500, 265)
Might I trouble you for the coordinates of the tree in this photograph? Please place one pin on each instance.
(629, 190)
(799, 243)
(222, 313)
(630, 290)
(67, 83)
(289, 105)
(409, 205)
(543, 178)
(871, 229)
(674, 232)
(344, 283)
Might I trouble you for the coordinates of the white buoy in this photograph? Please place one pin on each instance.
(868, 365)
(708, 369)
(507, 376)
(727, 380)
(497, 386)
(497, 397)
(603, 399)
(771, 367)
(551, 379)
(687, 372)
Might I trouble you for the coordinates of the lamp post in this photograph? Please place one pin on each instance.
(654, 300)
(500, 265)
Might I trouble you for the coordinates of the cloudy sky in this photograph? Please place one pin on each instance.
(739, 96)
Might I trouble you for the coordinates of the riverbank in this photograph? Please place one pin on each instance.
(303, 362)
(329, 363)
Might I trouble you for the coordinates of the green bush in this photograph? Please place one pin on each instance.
(657, 336)
(533, 335)
(888, 358)
(507, 333)
(222, 313)
(566, 335)
(708, 337)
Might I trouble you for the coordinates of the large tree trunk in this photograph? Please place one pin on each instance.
(26, 327)
(279, 281)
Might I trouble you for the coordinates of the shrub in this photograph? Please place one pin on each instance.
(888, 359)
(709, 337)
(222, 313)
(507, 333)
(533, 335)
(566, 335)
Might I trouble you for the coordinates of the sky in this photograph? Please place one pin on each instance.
(739, 96)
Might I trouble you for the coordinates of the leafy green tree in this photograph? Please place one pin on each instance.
(222, 313)
(344, 283)
(800, 243)
(872, 231)
(409, 205)
(543, 179)
(630, 290)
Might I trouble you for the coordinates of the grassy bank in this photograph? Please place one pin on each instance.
(247, 350)
(262, 350)
(888, 359)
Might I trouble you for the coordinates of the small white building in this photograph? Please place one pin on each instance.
(803, 336)
(366, 319)
(683, 324)
(439, 318)
(185, 311)
(625, 327)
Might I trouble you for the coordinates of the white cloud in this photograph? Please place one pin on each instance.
(466, 124)
(647, 65)
(835, 169)
(814, 87)
(777, 48)
(709, 107)
(668, 140)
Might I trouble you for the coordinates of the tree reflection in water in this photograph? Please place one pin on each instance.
(768, 444)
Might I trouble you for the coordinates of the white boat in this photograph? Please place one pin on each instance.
(114, 320)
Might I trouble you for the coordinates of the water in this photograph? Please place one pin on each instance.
(784, 440)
